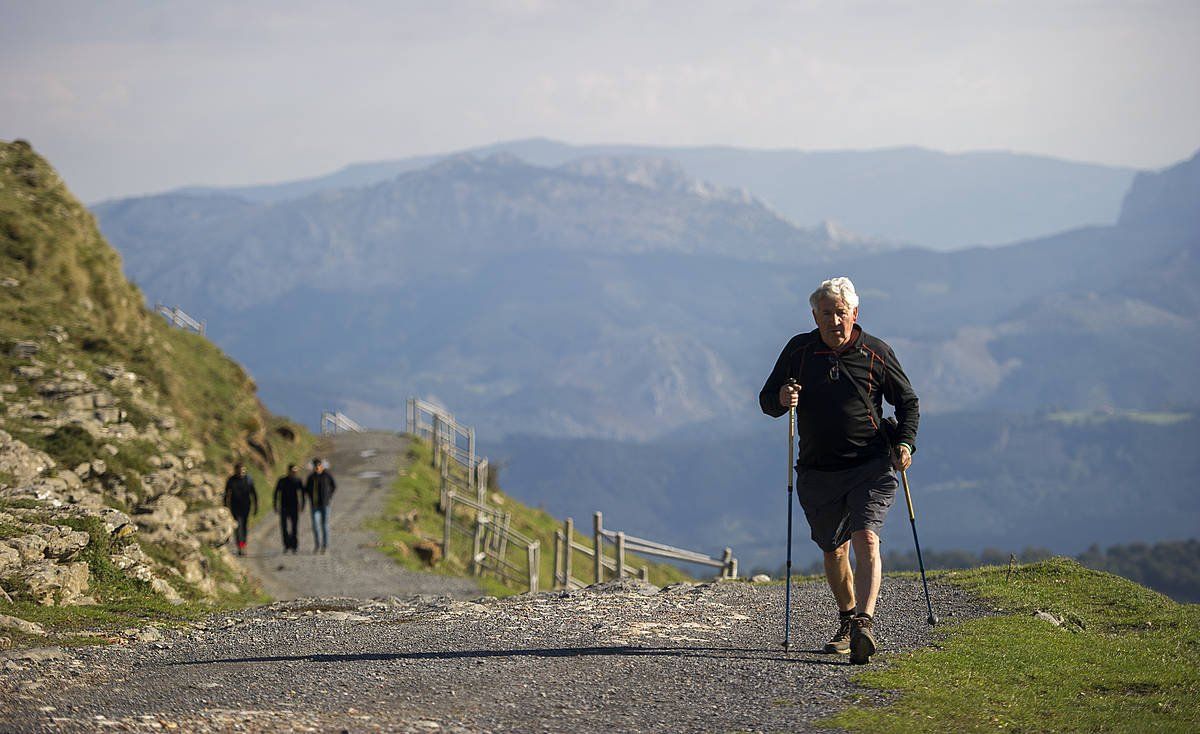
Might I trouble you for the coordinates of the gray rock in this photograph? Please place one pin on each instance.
(32, 548)
(1048, 617)
(49, 583)
(28, 372)
(24, 349)
(64, 543)
(10, 558)
(21, 461)
(760, 578)
(21, 625)
(35, 655)
(212, 526)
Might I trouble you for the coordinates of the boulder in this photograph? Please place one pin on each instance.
(212, 526)
(24, 349)
(428, 551)
(28, 372)
(31, 548)
(166, 509)
(10, 559)
(49, 583)
(21, 625)
(64, 543)
(21, 461)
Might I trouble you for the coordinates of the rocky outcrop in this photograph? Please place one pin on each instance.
(42, 503)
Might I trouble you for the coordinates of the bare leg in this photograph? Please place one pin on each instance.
(868, 569)
(840, 577)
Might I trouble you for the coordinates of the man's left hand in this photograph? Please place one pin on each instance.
(901, 458)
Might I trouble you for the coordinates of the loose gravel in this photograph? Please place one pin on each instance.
(621, 656)
(369, 649)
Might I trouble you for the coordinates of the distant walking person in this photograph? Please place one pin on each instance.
(318, 490)
(288, 501)
(242, 500)
(848, 452)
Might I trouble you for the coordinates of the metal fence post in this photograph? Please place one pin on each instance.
(598, 528)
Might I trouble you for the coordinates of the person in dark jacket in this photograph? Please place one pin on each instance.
(318, 490)
(288, 501)
(242, 500)
(845, 480)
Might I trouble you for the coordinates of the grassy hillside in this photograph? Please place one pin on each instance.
(177, 408)
(1124, 659)
(419, 490)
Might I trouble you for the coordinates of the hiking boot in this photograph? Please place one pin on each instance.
(862, 640)
(840, 644)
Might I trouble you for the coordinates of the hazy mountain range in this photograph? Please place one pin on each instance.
(622, 313)
(926, 197)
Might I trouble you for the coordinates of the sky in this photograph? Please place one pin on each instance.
(129, 98)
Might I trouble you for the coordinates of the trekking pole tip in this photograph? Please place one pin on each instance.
(932, 620)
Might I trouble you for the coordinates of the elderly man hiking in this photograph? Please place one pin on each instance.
(845, 481)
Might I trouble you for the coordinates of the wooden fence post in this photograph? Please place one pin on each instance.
(449, 521)
(558, 559)
(727, 560)
(477, 543)
(620, 555)
(644, 574)
(598, 529)
(569, 531)
(535, 562)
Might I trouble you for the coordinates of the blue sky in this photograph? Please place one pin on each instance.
(137, 97)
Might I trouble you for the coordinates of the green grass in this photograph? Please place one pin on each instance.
(70, 277)
(1128, 659)
(419, 489)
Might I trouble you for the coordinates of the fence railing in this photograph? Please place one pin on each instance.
(333, 422)
(566, 547)
(178, 317)
(449, 437)
(493, 541)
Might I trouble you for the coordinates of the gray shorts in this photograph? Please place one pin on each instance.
(837, 503)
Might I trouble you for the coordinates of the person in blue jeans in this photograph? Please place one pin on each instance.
(318, 491)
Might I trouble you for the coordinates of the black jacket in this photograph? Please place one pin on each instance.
(289, 494)
(240, 496)
(835, 426)
(319, 489)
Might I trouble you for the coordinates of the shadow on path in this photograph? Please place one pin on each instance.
(553, 652)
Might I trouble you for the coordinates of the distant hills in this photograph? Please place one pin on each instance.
(607, 321)
(925, 197)
(621, 298)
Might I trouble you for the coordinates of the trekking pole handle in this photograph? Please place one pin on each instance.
(791, 439)
(912, 516)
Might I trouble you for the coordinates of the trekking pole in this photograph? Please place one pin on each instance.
(912, 517)
(787, 594)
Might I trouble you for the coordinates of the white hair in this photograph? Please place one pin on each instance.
(839, 288)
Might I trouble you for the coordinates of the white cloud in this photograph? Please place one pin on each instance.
(128, 97)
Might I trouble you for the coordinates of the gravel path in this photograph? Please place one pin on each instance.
(374, 654)
(363, 465)
(618, 657)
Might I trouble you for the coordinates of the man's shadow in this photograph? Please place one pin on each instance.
(813, 657)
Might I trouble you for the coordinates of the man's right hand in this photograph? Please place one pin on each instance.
(789, 396)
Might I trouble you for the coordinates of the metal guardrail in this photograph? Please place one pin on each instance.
(178, 317)
(333, 422)
(565, 547)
